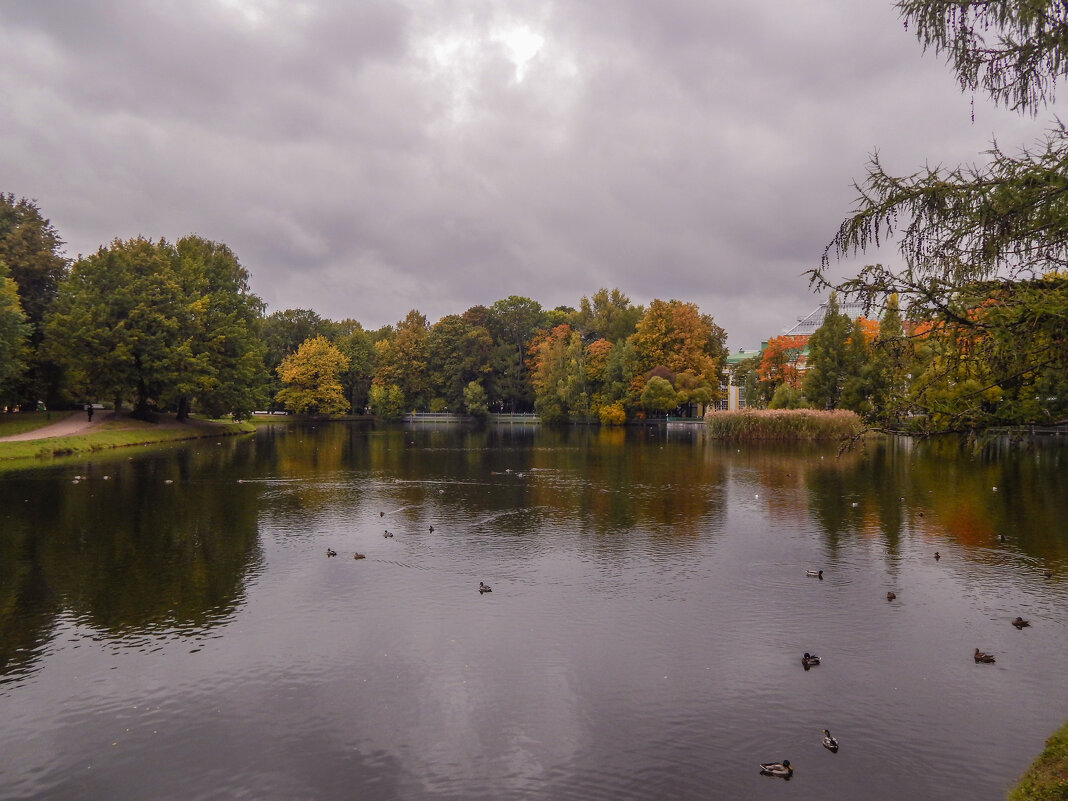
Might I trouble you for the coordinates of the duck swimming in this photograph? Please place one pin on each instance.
(891, 596)
(783, 770)
(814, 573)
(358, 555)
(387, 534)
(330, 552)
(981, 657)
(830, 743)
(484, 588)
(937, 556)
(809, 660)
(1020, 623)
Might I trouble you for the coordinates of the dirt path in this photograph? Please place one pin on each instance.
(74, 423)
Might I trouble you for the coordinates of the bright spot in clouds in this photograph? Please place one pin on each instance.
(522, 44)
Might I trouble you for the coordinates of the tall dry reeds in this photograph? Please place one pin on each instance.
(783, 424)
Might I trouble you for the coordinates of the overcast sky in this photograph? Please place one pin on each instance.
(364, 158)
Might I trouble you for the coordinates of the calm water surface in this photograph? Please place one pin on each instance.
(171, 627)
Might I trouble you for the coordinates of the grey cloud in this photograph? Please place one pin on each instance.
(363, 159)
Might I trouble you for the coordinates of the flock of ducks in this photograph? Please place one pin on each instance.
(483, 588)
(784, 770)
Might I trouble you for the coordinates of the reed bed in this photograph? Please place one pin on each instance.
(750, 425)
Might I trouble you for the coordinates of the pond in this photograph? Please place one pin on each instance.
(173, 628)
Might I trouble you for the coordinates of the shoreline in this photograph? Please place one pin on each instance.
(1047, 778)
(120, 432)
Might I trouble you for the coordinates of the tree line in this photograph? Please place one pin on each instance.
(971, 329)
(165, 326)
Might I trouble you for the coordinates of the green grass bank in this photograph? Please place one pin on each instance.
(1047, 778)
(121, 433)
(20, 423)
(751, 425)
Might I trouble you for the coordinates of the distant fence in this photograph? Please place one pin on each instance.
(449, 417)
(1058, 430)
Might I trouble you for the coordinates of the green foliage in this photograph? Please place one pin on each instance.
(169, 324)
(969, 236)
(607, 315)
(459, 352)
(796, 424)
(1013, 49)
(402, 360)
(829, 362)
(475, 401)
(283, 332)
(386, 401)
(30, 247)
(513, 322)
(311, 379)
(358, 347)
(787, 397)
(14, 333)
(658, 395)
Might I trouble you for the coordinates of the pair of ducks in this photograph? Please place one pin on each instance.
(784, 770)
(331, 552)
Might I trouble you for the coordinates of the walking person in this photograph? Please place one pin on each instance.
(89, 411)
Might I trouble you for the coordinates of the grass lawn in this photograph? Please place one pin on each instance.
(11, 424)
(119, 433)
(1047, 778)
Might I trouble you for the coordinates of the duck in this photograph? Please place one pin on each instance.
(814, 573)
(330, 552)
(981, 657)
(937, 556)
(830, 743)
(891, 596)
(381, 514)
(387, 534)
(482, 588)
(782, 769)
(1020, 623)
(431, 529)
(1048, 574)
(358, 555)
(808, 660)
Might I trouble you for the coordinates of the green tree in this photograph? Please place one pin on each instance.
(970, 235)
(458, 353)
(219, 357)
(115, 322)
(31, 249)
(607, 315)
(311, 379)
(787, 396)
(14, 332)
(829, 362)
(891, 355)
(358, 347)
(283, 332)
(402, 360)
(386, 401)
(659, 395)
(170, 325)
(513, 321)
(475, 401)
